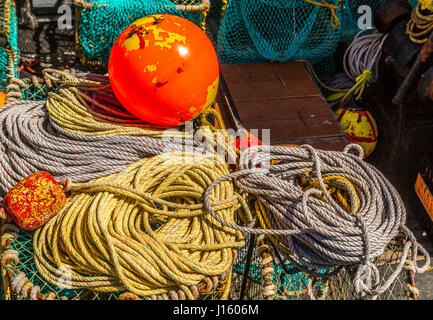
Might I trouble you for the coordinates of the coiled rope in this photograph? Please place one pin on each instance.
(75, 136)
(311, 228)
(30, 141)
(364, 54)
(421, 22)
(73, 107)
(144, 230)
(361, 66)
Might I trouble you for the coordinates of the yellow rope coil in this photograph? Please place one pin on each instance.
(426, 4)
(70, 108)
(144, 230)
(420, 25)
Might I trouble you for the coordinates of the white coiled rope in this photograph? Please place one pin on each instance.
(313, 229)
(30, 141)
(364, 54)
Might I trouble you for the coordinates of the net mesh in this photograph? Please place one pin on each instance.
(9, 52)
(26, 264)
(98, 27)
(261, 30)
(291, 283)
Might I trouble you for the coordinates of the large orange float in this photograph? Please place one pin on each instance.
(164, 70)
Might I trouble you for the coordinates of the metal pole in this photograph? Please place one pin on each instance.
(247, 266)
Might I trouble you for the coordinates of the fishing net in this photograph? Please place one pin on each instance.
(289, 283)
(209, 289)
(99, 22)
(261, 30)
(9, 52)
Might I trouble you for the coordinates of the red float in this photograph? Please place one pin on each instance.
(163, 69)
(34, 200)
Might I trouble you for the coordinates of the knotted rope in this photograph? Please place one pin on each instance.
(144, 230)
(312, 229)
(335, 22)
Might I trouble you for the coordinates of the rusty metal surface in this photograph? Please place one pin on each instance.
(284, 99)
(390, 13)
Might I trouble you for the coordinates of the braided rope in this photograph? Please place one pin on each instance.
(6, 11)
(110, 245)
(317, 233)
(71, 108)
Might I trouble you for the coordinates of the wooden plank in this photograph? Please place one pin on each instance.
(283, 98)
(268, 81)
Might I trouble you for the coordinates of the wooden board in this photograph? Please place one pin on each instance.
(283, 98)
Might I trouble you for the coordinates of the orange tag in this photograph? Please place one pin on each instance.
(424, 195)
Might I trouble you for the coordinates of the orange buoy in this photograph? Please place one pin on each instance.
(2, 98)
(163, 69)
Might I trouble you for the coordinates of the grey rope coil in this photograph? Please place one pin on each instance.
(319, 234)
(364, 54)
(30, 141)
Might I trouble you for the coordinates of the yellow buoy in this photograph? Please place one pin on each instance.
(359, 126)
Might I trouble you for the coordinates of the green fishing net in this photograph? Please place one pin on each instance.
(261, 30)
(9, 52)
(98, 27)
(291, 283)
(24, 245)
(26, 264)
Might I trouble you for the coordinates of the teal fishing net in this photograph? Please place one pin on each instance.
(26, 264)
(291, 284)
(261, 30)
(9, 52)
(98, 27)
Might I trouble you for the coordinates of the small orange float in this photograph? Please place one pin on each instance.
(164, 70)
(2, 98)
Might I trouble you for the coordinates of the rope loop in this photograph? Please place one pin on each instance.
(309, 224)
